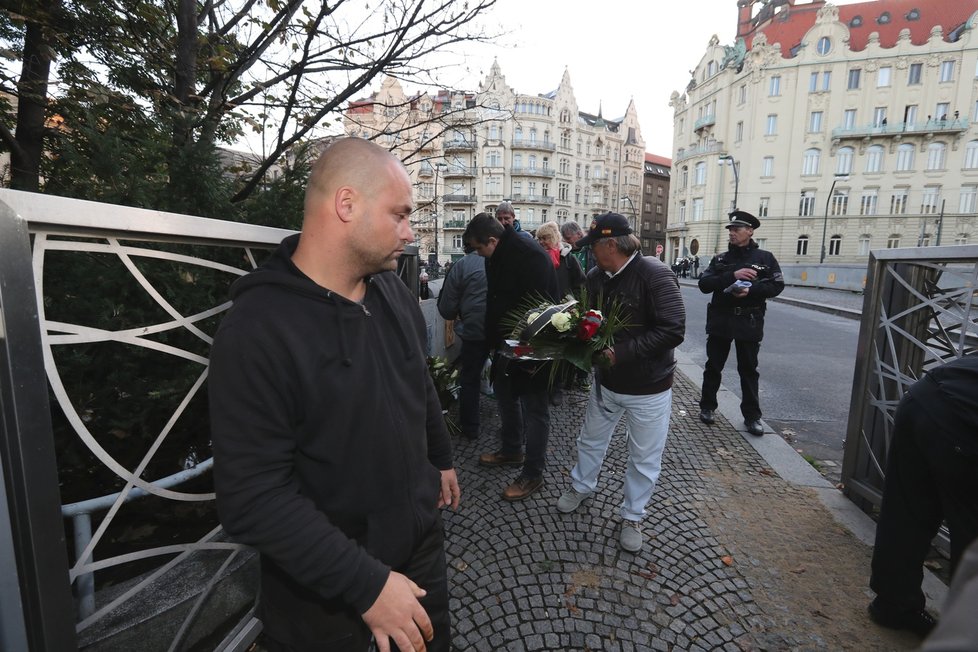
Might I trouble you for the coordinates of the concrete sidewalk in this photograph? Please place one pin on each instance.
(747, 548)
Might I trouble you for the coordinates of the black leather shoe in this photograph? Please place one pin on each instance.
(754, 427)
(919, 622)
(706, 416)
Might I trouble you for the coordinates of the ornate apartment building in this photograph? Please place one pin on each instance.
(844, 129)
(468, 151)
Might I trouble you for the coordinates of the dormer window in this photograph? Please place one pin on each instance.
(856, 21)
(824, 45)
(884, 18)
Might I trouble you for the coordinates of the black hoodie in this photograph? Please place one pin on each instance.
(328, 435)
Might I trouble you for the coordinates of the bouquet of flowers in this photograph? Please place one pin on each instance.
(569, 332)
(446, 382)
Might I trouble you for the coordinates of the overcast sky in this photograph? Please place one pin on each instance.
(615, 50)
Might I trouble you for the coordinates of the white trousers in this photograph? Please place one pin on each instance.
(647, 423)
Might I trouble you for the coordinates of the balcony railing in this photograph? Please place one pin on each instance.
(532, 171)
(902, 129)
(458, 145)
(534, 199)
(455, 224)
(705, 121)
(523, 143)
(459, 199)
(459, 171)
(683, 154)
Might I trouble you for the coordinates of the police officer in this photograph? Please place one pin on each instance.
(741, 280)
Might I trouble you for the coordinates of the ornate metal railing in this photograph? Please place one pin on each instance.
(116, 308)
(920, 310)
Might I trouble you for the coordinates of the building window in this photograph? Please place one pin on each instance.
(893, 241)
(843, 160)
(739, 132)
(697, 209)
(904, 162)
(767, 166)
(824, 45)
(864, 241)
(849, 118)
(801, 248)
(699, 174)
(813, 82)
(935, 156)
(879, 116)
(840, 201)
(898, 201)
(869, 201)
(913, 76)
(930, 200)
(968, 197)
(826, 80)
(815, 122)
(682, 212)
(910, 115)
(810, 161)
(762, 209)
(947, 71)
(806, 205)
(883, 76)
(493, 159)
(775, 87)
(874, 158)
(771, 126)
(971, 155)
(853, 81)
(942, 109)
(684, 177)
(835, 245)
(961, 239)
(742, 95)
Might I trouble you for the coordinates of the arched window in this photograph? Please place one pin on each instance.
(904, 160)
(810, 161)
(835, 245)
(843, 160)
(971, 155)
(874, 158)
(935, 156)
(801, 248)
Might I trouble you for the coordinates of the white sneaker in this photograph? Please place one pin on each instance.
(571, 500)
(630, 536)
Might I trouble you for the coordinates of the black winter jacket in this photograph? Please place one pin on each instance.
(726, 315)
(653, 307)
(328, 437)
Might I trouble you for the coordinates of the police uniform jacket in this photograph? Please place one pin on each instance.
(726, 315)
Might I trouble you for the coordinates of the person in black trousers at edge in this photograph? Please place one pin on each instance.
(931, 475)
(742, 280)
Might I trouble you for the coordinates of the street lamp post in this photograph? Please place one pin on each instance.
(728, 158)
(434, 214)
(825, 221)
(634, 213)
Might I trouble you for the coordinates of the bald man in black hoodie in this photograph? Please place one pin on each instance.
(331, 452)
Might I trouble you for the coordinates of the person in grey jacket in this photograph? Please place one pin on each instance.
(463, 298)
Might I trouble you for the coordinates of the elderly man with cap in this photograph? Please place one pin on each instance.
(635, 379)
(742, 279)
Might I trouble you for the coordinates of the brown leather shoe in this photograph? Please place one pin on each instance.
(500, 459)
(522, 488)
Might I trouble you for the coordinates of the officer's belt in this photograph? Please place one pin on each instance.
(743, 310)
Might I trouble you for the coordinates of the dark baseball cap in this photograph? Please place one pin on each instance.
(743, 218)
(608, 225)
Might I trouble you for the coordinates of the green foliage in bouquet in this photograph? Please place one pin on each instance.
(445, 377)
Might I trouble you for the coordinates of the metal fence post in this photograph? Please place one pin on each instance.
(35, 595)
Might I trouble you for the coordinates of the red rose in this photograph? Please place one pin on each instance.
(588, 327)
(521, 350)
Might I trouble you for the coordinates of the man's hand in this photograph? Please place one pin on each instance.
(397, 614)
(740, 293)
(450, 492)
(745, 274)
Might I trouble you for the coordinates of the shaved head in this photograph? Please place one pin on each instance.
(350, 162)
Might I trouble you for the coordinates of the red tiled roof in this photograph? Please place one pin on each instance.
(790, 29)
(658, 160)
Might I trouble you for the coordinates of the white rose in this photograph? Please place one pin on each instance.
(561, 321)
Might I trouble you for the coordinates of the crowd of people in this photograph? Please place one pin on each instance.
(686, 267)
(332, 457)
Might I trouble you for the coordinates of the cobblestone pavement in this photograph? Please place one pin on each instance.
(736, 558)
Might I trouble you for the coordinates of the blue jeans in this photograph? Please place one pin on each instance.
(472, 358)
(525, 419)
(647, 421)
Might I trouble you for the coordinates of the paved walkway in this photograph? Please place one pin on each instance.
(748, 548)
